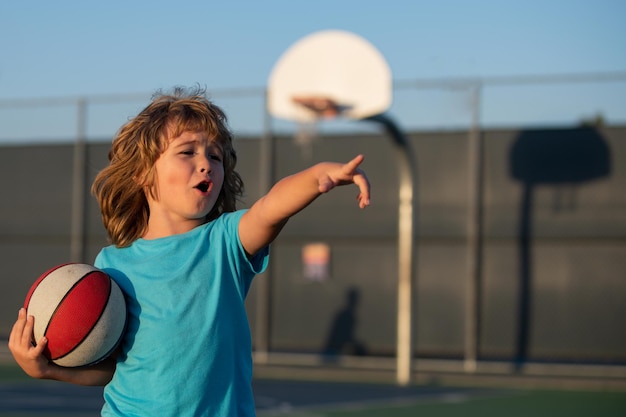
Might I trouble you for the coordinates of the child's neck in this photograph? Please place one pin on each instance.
(165, 227)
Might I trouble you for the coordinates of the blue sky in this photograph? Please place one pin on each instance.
(68, 48)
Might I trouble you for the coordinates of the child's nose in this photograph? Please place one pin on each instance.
(205, 166)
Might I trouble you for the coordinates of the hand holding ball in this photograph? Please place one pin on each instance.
(80, 310)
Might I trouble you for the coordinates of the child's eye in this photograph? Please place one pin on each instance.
(188, 152)
(215, 157)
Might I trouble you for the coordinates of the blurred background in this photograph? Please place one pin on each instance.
(516, 113)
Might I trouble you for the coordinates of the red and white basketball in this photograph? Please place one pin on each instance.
(80, 310)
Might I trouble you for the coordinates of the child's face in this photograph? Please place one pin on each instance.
(188, 181)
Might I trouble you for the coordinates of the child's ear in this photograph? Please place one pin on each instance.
(146, 181)
(139, 180)
(142, 179)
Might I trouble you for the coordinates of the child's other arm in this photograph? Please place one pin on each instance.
(31, 359)
(266, 218)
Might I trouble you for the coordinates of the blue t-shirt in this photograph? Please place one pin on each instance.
(187, 350)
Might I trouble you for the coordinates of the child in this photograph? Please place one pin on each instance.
(185, 259)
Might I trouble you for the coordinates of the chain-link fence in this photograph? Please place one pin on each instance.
(418, 105)
(545, 221)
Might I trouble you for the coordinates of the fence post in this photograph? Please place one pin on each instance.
(474, 235)
(77, 224)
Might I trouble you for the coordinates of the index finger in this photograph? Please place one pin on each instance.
(18, 327)
(18, 331)
(352, 165)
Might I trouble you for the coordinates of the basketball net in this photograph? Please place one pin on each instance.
(306, 133)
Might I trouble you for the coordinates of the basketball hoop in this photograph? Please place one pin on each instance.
(349, 69)
(319, 108)
(330, 73)
(323, 107)
(326, 75)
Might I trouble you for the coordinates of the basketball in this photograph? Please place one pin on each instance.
(80, 310)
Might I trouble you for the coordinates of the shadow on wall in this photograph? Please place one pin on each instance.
(341, 338)
(560, 157)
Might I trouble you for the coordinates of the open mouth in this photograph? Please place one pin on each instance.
(203, 186)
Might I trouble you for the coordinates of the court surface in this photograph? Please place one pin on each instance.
(273, 397)
(25, 398)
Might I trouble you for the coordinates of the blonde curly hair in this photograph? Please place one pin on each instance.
(120, 187)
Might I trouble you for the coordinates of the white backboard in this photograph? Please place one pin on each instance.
(332, 64)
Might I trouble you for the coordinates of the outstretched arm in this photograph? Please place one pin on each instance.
(263, 222)
(32, 360)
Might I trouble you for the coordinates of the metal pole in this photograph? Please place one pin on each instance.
(405, 271)
(77, 224)
(474, 236)
(406, 166)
